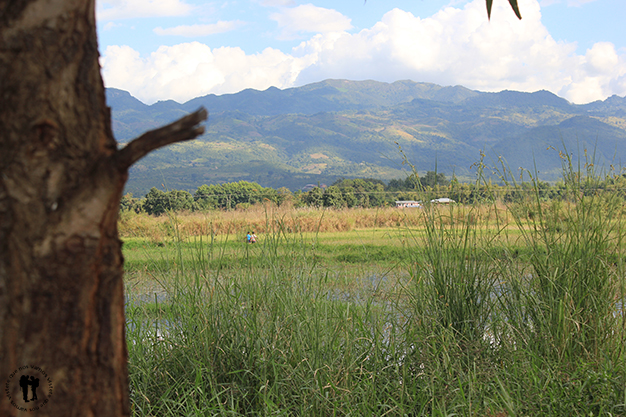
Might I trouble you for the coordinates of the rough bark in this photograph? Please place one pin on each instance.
(61, 179)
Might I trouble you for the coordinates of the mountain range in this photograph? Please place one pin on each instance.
(334, 129)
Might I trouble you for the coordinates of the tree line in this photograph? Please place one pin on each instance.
(350, 193)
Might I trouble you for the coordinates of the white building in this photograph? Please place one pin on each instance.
(408, 204)
(444, 200)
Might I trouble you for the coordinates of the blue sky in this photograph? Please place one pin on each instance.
(181, 49)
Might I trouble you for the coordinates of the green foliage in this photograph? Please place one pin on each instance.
(129, 203)
(366, 193)
(231, 195)
(313, 198)
(155, 202)
(574, 276)
(333, 197)
(359, 192)
(158, 202)
(414, 182)
(451, 320)
(348, 134)
(455, 274)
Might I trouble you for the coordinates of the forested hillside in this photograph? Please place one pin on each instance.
(336, 129)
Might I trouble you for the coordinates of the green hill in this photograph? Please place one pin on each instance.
(339, 128)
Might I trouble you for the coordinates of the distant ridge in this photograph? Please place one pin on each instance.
(327, 96)
(338, 128)
(509, 98)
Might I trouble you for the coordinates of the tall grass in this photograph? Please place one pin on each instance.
(563, 305)
(567, 294)
(456, 273)
(487, 313)
(269, 339)
(266, 218)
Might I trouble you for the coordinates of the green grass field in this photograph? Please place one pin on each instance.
(487, 310)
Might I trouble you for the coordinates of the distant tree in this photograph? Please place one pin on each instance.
(206, 196)
(349, 197)
(178, 200)
(412, 182)
(129, 203)
(333, 197)
(395, 185)
(298, 198)
(241, 192)
(363, 192)
(314, 198)
(283, 195)
(155, 202)
(232, 194)
(431, 179)
(416, 183)
(158, 202)
(362, 183)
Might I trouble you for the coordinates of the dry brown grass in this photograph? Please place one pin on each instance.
(270, 218)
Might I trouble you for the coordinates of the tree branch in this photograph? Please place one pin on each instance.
(181, 130)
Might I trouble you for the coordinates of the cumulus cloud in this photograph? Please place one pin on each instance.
(599, 73)
(460, 46)
(453, 47)
(111, 26)
(189, 70)
(570, 3)
(308, 18)
(577, 3)
(193, 31)
(126, 9)
(277, 3)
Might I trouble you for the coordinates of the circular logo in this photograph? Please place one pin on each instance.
(29, 388)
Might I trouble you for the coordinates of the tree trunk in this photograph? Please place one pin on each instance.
(61, 180)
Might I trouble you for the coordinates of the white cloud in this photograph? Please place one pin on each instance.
(192, 31)
(277, 3)
(578, 3)
(570, 3)
(453, 47)
(602, 59)
(127, 9)
(600, 73)
(308, 18)
(111, 26)
(460, 46)
(189, 70)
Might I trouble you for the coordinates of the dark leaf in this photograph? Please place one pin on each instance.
(515, 8)
(513, 5)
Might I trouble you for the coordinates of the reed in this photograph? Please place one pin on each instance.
(267, 217)
(454, 310)
(568, 294)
